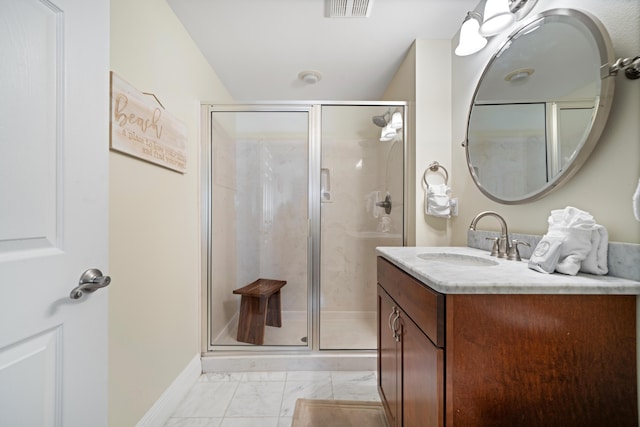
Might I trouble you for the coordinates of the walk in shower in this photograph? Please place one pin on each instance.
(301, 193)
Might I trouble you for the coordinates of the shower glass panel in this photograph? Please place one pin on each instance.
(359, 171)
(259, 214)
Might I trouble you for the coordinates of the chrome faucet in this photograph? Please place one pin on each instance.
(501, 245)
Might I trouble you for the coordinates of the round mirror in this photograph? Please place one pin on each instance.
(540, 106)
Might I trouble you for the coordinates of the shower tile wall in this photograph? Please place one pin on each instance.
(351, 226)
(272, 207)
(285, 241)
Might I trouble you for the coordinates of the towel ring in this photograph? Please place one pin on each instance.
(433, 167)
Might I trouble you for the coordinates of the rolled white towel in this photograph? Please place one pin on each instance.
(576, 244)
(571, 217)
(596, 260)
(437, 200)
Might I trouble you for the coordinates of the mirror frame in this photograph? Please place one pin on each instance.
(602, 108)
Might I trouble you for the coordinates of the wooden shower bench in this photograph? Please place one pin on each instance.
(260, 305)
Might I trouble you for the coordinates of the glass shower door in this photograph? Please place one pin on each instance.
(360, 170)
(259, 214)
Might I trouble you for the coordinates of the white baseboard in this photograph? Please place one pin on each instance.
(166, 405)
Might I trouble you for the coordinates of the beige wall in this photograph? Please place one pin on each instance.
(606, 182)
(154, 221)
(433, 132)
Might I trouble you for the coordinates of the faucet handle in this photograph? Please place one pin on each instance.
(514, 253)
(495, 246)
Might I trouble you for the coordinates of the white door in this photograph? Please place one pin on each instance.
(54, 106)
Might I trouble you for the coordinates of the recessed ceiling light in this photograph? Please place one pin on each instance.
(310, 76)
(519, 74)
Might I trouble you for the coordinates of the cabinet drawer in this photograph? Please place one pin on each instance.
(422, 304)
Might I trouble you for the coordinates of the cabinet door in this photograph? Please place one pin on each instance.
(388, 360)
(422, 378)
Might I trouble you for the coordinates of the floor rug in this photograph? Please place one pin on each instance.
(338, 413)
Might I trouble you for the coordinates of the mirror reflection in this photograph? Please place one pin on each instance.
(539, 107)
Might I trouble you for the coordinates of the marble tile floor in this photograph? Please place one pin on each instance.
(265, 399)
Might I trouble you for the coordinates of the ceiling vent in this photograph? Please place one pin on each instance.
(348, 8)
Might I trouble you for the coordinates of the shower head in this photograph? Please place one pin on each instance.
(381, 121)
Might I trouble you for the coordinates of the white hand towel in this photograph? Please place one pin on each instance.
(596, 261)
(576, 244)
(573, 228)
(437, 201)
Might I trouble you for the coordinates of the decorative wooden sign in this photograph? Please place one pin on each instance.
(143, 129)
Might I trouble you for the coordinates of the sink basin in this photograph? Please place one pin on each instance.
(458, 259)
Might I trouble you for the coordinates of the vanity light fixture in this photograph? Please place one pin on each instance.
(498, 16)
(471, 40)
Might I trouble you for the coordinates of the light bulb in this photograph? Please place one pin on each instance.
(497, 17)
(470, 39)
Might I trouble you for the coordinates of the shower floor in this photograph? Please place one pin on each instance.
(339, 330)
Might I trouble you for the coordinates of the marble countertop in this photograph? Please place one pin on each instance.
(506, 277)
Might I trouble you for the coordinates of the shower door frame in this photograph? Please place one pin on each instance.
(314, 110)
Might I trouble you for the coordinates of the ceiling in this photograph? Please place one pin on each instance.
(258, 47)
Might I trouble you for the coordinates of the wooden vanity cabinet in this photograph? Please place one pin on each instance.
(504, 360)
(389, 359)
(410, 363)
